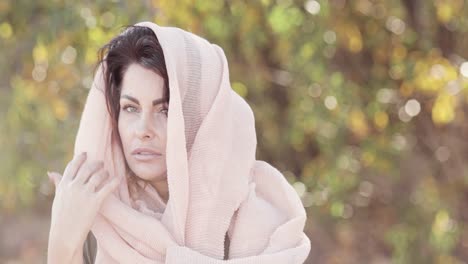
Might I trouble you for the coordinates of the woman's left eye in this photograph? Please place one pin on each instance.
(165, 110)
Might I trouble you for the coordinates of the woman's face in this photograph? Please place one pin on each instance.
(143, 121)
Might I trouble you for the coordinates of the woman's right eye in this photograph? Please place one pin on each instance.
(129, 107)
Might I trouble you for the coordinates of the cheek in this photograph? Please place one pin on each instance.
(165, 133)
(162, 131)
(124, 131)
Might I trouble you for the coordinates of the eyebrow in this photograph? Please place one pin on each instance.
(155, 102)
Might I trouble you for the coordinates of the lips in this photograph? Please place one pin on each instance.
(145, 154)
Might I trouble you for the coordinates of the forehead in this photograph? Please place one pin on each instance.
(142, 83)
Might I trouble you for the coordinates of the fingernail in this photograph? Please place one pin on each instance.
(49, 174)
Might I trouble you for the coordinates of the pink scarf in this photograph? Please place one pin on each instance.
(215, 183)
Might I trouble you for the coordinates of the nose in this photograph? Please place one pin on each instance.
(145, 129)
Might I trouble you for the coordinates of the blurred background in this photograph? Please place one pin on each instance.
(362, 104)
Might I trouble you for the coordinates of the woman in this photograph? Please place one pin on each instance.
(170, 169)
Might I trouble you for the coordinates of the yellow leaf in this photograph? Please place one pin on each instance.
(358, 124)
(5, 30)
(443, 111)
(444, 12)
(381, 120)
(60, 109)
(368, 158)
(40, 53)
(239, 88)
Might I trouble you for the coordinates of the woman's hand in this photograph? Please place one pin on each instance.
(78, 197)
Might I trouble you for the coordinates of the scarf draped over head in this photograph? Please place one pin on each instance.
(216, 185)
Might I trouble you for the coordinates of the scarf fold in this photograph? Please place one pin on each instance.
(215, 183)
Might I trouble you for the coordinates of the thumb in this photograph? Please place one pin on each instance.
(54, 177)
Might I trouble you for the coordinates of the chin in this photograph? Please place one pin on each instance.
(149, 172)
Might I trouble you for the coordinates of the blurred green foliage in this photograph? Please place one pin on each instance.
(362, 104)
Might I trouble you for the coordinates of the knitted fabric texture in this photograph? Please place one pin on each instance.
(216, 185)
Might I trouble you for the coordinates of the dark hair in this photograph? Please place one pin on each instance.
(136, 44)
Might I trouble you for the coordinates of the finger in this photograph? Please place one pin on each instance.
(110, 186)
(96, 179)
(87, 170)
(73, 167)
(54, 177)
